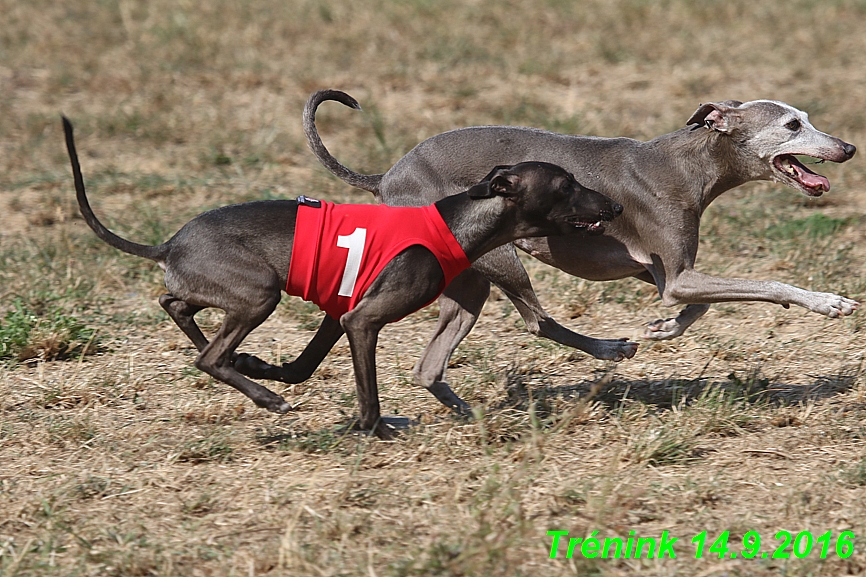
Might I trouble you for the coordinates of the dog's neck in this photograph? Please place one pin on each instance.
(710, 163)
(478, 225)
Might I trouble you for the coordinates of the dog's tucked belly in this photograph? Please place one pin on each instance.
(593, 258)
(339, 250)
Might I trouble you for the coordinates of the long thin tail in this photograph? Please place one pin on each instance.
(155, 253)
(368, 182)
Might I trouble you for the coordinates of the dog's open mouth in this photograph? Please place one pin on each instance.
(596, 227)
(795, 173)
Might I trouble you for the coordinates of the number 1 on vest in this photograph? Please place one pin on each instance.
(355, 243)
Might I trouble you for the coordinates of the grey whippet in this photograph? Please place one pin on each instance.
(237, 258)
(664, 184)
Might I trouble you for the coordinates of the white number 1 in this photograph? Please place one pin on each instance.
(355, 243)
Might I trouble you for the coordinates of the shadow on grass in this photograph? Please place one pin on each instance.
(729, 404)
(751, 388)
(325, 440)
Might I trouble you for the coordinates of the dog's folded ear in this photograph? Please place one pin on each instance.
(498, 182)
(718, 116)
(481, 190)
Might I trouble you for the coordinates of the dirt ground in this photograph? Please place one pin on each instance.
(118, 457)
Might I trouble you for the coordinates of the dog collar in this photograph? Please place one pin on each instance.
(312, 202)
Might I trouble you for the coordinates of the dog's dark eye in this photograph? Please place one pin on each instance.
(793, 125)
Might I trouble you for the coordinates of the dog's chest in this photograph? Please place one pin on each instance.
(339, 250)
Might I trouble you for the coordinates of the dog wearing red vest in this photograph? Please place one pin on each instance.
(240, 258)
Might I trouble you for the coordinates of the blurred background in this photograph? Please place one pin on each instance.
(191, 89)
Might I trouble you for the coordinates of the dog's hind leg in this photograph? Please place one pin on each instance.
(461, 305)
(182, 314)
(248, 294)
(301, 368)
(216, 358)
(459, 308)
(663, 329)
(503, 268)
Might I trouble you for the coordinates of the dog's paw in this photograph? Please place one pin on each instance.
(663, 329)
(833, 306)
(385, 432)
(379, 429)
(449, 398)
(614, 349)
(279, 406)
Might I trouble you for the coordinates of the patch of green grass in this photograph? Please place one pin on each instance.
(151, 227)
(201, 504)
(15, 330)
(213, 448)
(814, 226)
(750, 387)
(307, 314)
(323, 441)
(667, 443)
(37, 180)
(92, 487)
(26, 334)
(341, 440)
(724, 412)
(55, 271)
(731, 225)
(221, 159)
(854, 474)
(74, 431)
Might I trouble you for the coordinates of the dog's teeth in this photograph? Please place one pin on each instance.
(789, 168)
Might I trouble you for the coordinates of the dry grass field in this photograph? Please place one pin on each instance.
(117, 457)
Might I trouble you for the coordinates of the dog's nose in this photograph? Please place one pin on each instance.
(617, 209)
(849, 149)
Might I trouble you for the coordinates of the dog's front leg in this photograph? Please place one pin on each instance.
(459, 308)
(363, 336)
(405, 285)
(692, 287)
(301, 368)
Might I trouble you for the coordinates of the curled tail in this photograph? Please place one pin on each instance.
(368, 182)
(155, 253)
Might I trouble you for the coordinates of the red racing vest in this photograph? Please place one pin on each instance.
(340, 249)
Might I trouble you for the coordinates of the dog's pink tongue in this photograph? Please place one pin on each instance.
(811, 179)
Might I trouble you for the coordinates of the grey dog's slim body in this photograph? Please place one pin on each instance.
(236, 258)
(664, 186)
